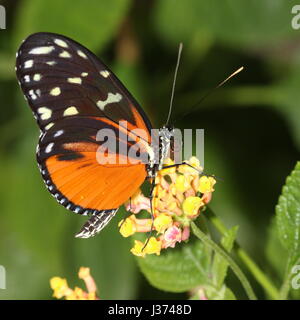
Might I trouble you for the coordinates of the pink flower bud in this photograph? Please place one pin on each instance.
(185, 233)
(171, 236)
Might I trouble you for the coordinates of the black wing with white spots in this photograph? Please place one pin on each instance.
(62, 78)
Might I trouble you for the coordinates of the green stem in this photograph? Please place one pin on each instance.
(285, 288)
(235, 268)
(258, 274)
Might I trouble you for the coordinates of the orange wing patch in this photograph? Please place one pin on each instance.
(92, 186)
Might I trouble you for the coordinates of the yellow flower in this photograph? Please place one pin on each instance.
(153, 246)
(174, 205)
(83, 273)
(127, 227)
(162, 222)
(59, 286)
(193, 161)
(182, 183)
(168, 162)
(77, 294)
(191, 206)
(137, 250)
(92, 296)
(206, 184)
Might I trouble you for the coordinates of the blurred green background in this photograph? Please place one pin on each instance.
(252, 132)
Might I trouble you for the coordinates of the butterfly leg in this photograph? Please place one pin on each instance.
(201, 173)
(181, 164)
(96, 223)
(151, 209)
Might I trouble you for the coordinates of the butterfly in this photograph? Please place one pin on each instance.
(73, 95)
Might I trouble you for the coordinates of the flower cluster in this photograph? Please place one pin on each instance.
(61, 289)
(179, 195)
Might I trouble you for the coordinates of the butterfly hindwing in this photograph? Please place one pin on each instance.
(68, 161)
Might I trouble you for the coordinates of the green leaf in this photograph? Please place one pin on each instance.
(288, 214)
(258, 22)
(179, 269)
(229, 295)
(288, 224)
(220, 266)
(275, 252)
(91, 22)
(222, 293)
(235, 268)
(212, 293)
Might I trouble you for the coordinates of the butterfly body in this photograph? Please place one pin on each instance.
(73, 95)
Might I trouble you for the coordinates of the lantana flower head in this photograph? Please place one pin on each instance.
(61, 289)
(179, 196)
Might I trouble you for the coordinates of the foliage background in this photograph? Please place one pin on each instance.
(252, 132)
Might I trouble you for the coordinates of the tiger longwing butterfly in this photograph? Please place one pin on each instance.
(73, 95)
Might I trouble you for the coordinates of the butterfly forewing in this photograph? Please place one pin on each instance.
(61, 78)
(73, 95)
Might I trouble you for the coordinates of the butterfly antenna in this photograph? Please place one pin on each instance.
(174, 82)
(210, 92)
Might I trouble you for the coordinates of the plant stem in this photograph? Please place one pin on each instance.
(235, 268)
(258, 274)
(285, 288)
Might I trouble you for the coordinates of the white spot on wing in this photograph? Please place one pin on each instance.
(37, 77)
(42, 50)
(75, 80)
(55, 91)
(81, 54)
(71, 111)
(84, 74)
(77, 209)
(61, 43)
(50, 125)
(32, 94)
(27, 78)
(65, 54)
(51, 63)
(45, 113)
(58, 133)
(104, 73)
(49, 147)
(28, 64)
(111, 98)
